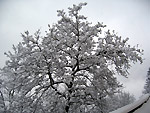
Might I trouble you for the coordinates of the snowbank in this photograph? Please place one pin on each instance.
(145, 108)
(132, 106)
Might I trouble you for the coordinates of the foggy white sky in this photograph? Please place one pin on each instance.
(130, 18)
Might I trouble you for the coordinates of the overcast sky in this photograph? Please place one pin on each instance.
(130, 18)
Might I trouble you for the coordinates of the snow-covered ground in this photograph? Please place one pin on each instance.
(144, 109)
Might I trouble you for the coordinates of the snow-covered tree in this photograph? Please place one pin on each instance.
(2, 100)
(147, 84)
(69, 70)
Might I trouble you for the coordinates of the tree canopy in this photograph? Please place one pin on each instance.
(71, 69)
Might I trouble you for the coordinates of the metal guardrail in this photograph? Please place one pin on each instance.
(134, 106)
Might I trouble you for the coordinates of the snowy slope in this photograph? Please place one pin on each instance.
(145, 108)
(134, 105)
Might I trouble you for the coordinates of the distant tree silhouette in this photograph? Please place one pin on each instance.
(147, 84)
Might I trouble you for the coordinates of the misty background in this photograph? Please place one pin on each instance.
(129, 18)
